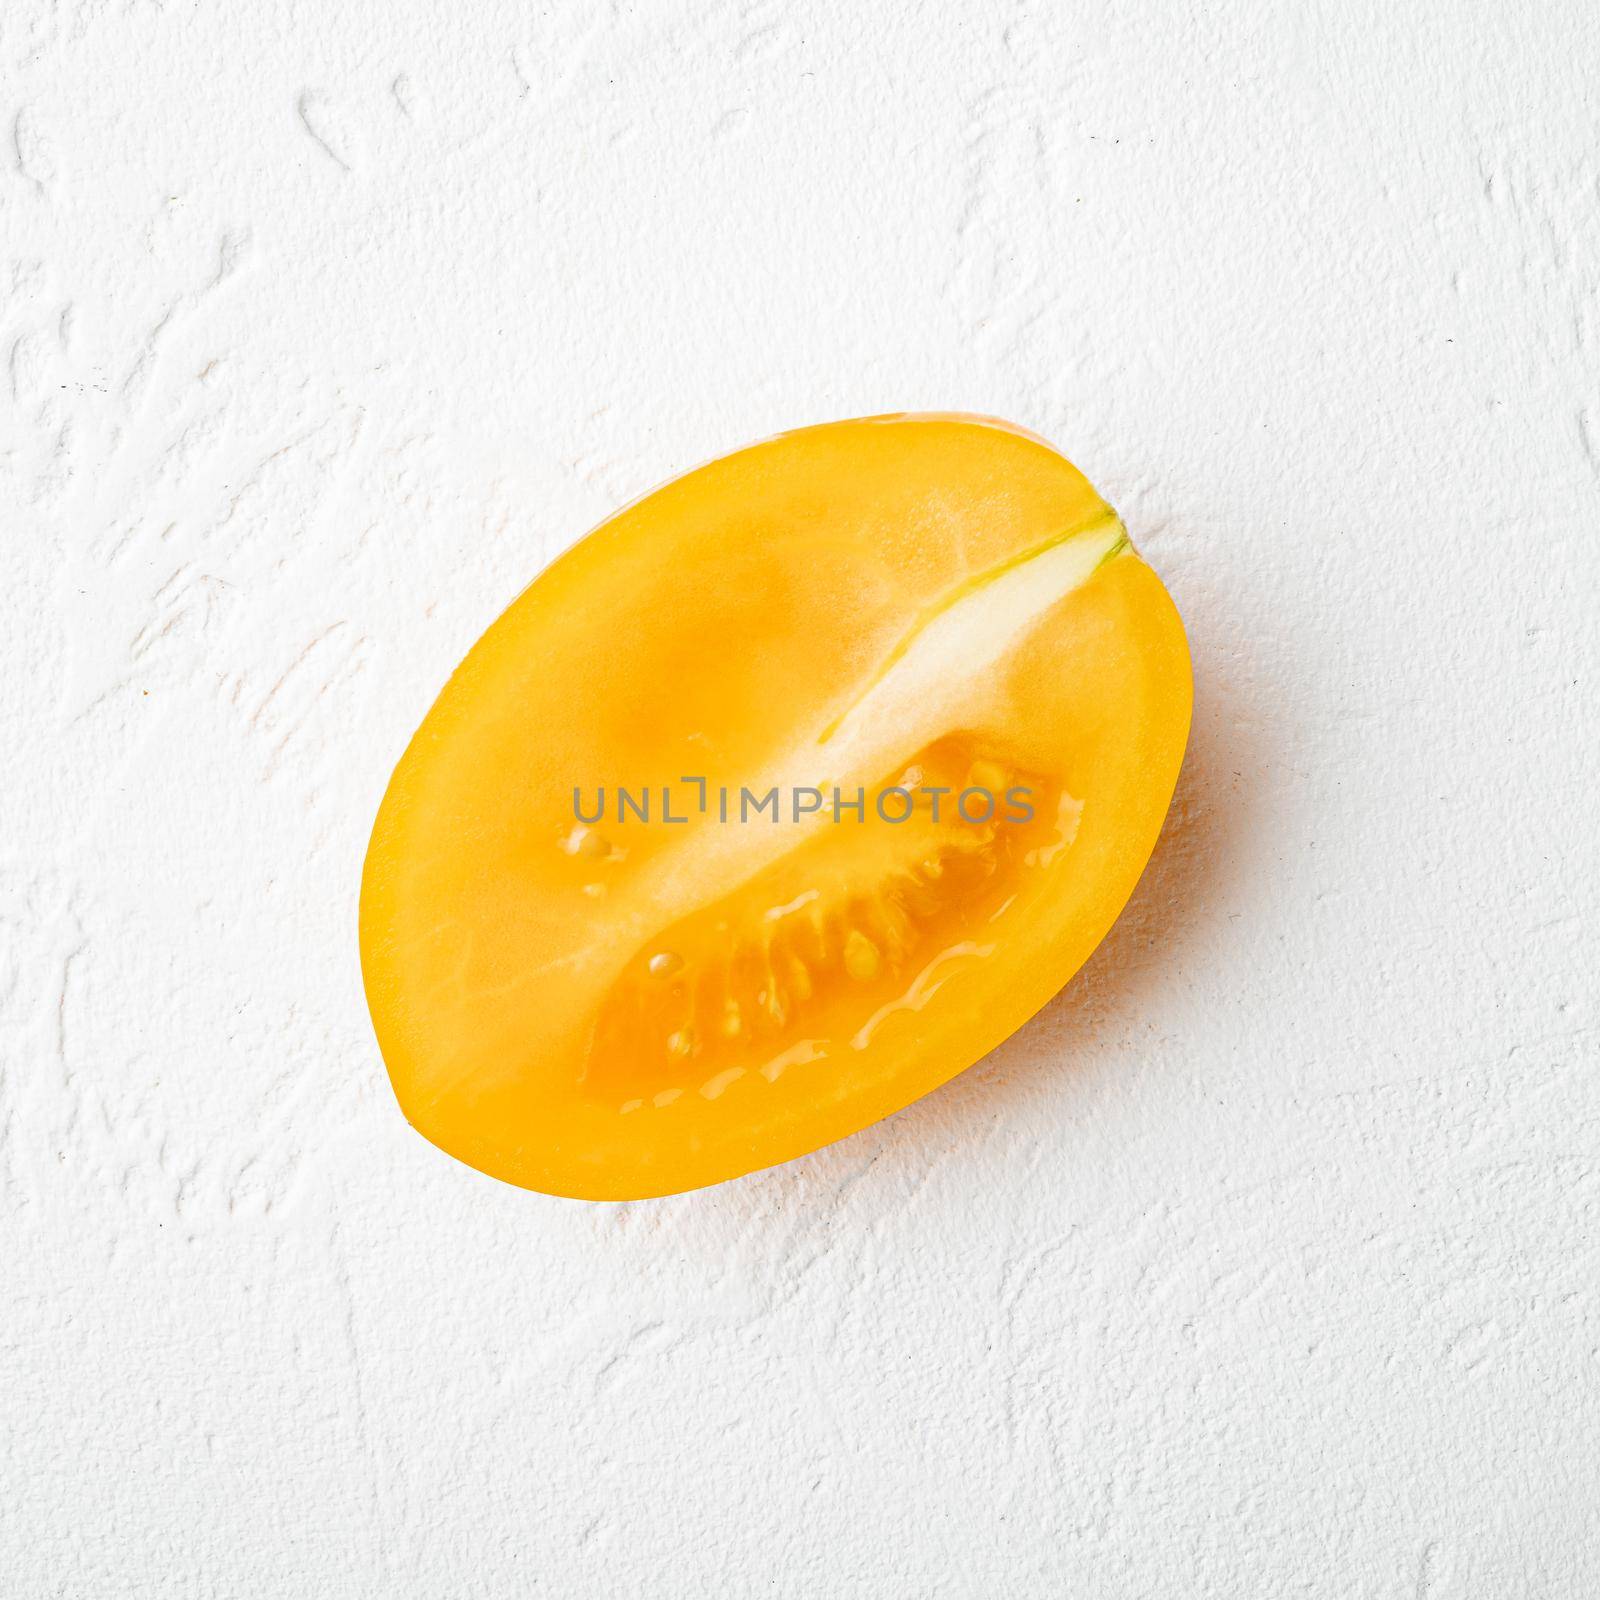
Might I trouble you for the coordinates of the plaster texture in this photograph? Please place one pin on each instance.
(1267, 1260)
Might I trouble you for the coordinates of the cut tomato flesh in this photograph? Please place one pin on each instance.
(777, 801)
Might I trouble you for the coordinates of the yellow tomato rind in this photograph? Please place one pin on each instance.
(444, 1047)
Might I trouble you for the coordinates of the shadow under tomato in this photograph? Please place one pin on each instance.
(1168, 924)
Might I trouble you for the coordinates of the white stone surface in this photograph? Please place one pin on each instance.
(1266, 1261)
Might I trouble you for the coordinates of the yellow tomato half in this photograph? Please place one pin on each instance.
(777, 801)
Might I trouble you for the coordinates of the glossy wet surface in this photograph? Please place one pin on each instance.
(813, 950)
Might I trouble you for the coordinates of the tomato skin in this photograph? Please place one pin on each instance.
(619, 1009)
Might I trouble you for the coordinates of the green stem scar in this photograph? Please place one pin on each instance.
(970, 628)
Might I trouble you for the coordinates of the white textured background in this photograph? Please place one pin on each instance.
(1267, 1261)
